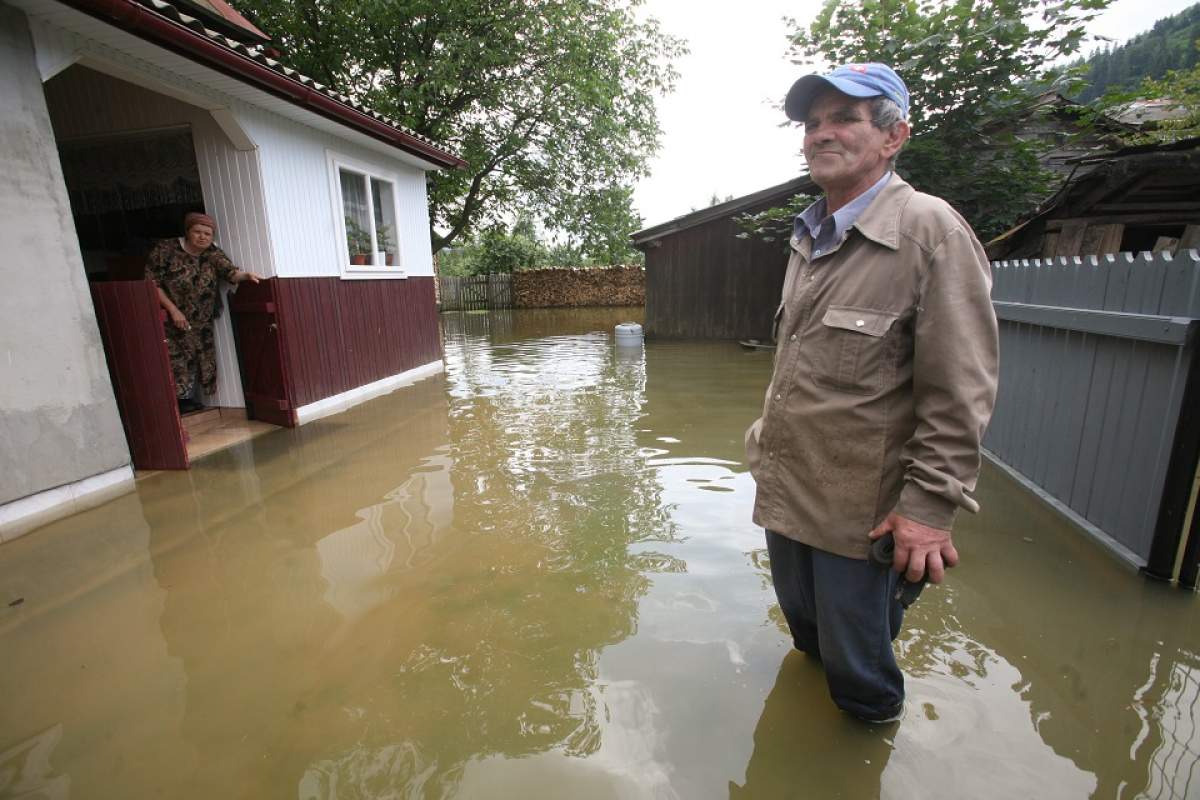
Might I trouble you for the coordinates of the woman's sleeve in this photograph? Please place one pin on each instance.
(156, 262)
(224, 267)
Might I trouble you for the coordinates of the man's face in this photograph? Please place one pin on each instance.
(842, 147)
(200, 236)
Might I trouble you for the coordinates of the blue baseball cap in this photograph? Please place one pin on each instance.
(856, 80)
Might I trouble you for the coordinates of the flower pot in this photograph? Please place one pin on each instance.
(358, 258)
(391, 259)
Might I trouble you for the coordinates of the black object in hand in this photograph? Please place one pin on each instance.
(881, 555)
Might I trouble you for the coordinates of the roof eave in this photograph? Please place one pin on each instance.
(157, 29)
(643, 238)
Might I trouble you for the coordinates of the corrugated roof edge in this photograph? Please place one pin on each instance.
(233, 17)
(163, 24)
(720, 210)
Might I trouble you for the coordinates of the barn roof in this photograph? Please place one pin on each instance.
(1156, 181)
(773, 194)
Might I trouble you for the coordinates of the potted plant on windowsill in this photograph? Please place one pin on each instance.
(358, 242)
(384, 232)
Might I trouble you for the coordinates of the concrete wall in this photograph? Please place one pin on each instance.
(58, 418)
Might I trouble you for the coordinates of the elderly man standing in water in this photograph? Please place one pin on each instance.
(884, 380)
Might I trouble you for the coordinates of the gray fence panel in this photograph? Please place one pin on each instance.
(1095, 353)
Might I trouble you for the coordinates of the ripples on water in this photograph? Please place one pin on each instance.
(535, 576)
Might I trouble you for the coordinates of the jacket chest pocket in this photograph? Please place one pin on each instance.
(849, 350)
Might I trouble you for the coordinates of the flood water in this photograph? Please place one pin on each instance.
(535, 576)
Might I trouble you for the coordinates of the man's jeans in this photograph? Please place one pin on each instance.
(841, 610)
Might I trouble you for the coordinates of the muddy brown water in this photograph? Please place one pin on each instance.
(535, 576)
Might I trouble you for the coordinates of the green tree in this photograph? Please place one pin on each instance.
(599, 226)
(497, 249)
(549, 101)
(965, 63)
(502, 251)
(1167, 46)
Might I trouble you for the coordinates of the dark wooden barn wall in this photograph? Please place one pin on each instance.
(705, 283)
(338, 335)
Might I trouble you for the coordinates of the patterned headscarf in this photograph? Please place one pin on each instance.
(196, 218)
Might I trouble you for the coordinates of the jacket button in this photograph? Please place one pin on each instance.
(792, 337)
(770, 454)
(779, 396)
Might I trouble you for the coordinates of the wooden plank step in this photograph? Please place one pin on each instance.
(197, 422)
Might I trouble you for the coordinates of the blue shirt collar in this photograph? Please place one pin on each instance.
(813, 221)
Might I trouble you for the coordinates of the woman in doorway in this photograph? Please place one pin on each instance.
(188, 271)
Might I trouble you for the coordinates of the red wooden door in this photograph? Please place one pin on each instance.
(131, 327)
(254, 307)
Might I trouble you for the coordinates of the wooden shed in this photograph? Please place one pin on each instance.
(1144, 198)
(704, 282)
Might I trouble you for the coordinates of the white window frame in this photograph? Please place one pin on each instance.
(337, 162)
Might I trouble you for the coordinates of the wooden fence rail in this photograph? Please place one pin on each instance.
(476, 292)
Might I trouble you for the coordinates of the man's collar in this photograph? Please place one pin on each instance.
(808, 220)
(852, 214)
(880, 221)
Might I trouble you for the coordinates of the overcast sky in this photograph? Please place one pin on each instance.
(721, 128)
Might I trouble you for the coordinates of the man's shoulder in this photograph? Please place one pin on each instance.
(927, 220)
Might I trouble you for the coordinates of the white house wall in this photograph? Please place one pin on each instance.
(304, 232)
(85, 103)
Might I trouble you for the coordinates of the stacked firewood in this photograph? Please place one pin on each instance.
(558, 287)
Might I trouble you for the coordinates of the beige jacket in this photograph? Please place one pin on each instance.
(885, 376)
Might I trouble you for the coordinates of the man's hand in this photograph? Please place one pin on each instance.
(919, 548)
(242, 276)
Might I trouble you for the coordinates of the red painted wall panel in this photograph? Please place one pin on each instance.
(131, 327)
(338, 335)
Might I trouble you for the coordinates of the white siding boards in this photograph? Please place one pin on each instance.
(306, 232)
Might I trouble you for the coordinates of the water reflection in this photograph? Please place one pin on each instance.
(826, 753)
(25, 769)
(548, 493)
(536, 576)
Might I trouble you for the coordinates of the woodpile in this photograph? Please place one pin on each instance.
(558, 287)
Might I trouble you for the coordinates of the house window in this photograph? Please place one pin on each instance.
(366, 210)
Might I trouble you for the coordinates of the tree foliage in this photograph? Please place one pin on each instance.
(500, 249)
(774, 224)
(1180, 91)
(603, 220)
(965, 63)
(551, 102)
(1169, 46)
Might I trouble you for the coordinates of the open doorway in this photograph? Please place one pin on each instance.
(130, 163)
(128, 191)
